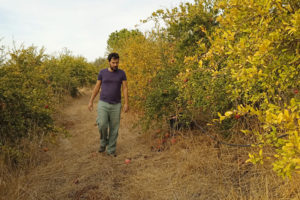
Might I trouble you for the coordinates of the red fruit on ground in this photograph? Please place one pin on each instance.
(127, 161)
(237, 116)
(167, 135)
(159, 141)
(186, 80)
(45, 149)
(46, 106)
(296, 91)
(173, 140)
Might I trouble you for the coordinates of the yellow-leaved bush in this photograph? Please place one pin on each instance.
(239, 56)
(256, 46)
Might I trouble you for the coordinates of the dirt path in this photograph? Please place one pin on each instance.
(76, 169)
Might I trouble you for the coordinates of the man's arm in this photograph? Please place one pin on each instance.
(125, 92)
(94, 94)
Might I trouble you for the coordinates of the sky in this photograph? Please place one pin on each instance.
(81, 26)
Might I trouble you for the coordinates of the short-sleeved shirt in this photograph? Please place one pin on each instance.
(111, 85)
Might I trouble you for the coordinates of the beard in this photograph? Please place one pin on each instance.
(114, 68)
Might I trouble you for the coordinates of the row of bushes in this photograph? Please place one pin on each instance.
(236, 63)
(32, 84)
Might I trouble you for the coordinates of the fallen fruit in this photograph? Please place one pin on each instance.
(167, 135)
(127, 161)
(45, 149)
(159, 141)
(173, 140)
(46, 106)
(296, 91)
(186, 80)
(158, 131)
(237, 116)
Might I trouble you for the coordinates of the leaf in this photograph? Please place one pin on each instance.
(280, 118)
(260, 152)
(200, 63)
(246, 132)
(228, 113)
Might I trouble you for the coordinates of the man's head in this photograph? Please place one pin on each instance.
(113, 59)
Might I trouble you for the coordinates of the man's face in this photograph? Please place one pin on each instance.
(114, 64)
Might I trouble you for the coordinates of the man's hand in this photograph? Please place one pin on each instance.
(90, 106)
(94, 94)
(126, 107)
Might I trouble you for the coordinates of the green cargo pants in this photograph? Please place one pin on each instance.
(108, 121)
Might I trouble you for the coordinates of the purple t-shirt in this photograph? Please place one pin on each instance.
(111, 85)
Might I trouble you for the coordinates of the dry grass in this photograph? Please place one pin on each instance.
(192, 168)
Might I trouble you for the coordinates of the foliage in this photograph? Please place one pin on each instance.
(67, 73)
(140, 57)
(240, 58)
(257, 47)
(31, 85)
(100, 63)
(117, 39)
(24, 93)
(184, 26)
(2, 54)
(183, 29)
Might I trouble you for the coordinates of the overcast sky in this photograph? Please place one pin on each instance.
(82, 26)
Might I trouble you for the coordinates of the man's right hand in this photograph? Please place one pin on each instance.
(94, 94)
(90, 106)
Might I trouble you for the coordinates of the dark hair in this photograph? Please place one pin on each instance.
(112, 55)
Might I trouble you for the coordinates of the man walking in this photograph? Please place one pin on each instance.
(110, 81)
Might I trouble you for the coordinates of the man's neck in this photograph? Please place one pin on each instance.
(110, 70)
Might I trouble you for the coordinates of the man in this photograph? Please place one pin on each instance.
(110, 81)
